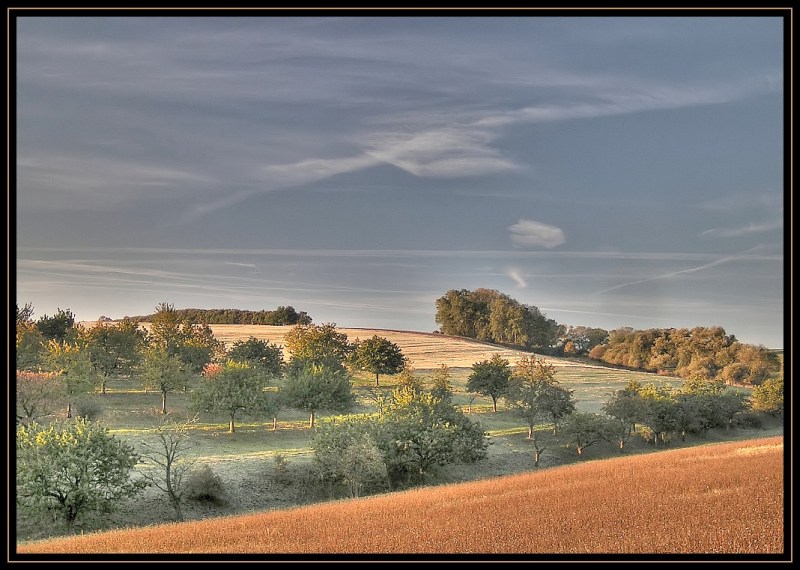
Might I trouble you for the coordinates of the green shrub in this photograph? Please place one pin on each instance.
(203, 485)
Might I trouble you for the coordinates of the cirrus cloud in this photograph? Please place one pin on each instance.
(530, 233)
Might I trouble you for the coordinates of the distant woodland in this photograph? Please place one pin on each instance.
(701, 352)
(280, 316)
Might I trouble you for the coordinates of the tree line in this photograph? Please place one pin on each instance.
(705, 352)
(532, 392)
(281, 316)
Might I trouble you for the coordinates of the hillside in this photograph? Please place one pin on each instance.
(424, 350)
(712, 499)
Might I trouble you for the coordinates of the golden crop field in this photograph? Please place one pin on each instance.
(723, 498)
(424, 350)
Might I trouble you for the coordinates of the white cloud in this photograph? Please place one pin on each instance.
(529, 233)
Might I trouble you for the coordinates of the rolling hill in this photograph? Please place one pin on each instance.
(723, 498)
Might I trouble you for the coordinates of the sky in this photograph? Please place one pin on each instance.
(611, 171)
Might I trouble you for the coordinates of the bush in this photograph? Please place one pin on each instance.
(88, 409)
(203, 485)
(749, 420)
(281, 474)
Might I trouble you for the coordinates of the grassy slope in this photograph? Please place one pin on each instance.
(721, 498)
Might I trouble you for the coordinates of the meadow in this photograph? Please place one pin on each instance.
(724, 498)
(248, 460)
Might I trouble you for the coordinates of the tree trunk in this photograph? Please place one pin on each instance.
(311, 420)
(622, 446)
(103, 388)
(69, 410)
(231, 427)
(376, 379)
(530, 432)
(163, 402)
(494, 403)
(176, 504)
(580, 452)
(274, 423)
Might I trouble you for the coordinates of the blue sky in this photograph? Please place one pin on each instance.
(612, 171)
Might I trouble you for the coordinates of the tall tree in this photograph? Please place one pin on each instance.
(378, 355)
(490, 378)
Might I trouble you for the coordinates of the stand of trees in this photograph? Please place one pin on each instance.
(280, 316)
(705, 352)
(488, 315)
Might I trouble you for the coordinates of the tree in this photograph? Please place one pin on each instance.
(37, 394)
(58, 327)
(73, 468)
(378, 355)
(732, 404)
(233, 388)
(318, 343)
(528, 382)
(259, 354)
(30, 347)
(314, 385)
(166, 329)
(113, 350)
(25, 314)
(490, 378)
(168, 454)
(199, 347)
(417, 433)
(768, 397)
(660, 411)
(582, 430)
(626, 408)
(442, 389)
(74, 366)
(163, 372)
(29, 341)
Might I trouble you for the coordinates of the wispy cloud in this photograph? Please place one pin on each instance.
(440, 153)
(671, 274)
(748, 229)
(516, 275)
(530, 233)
